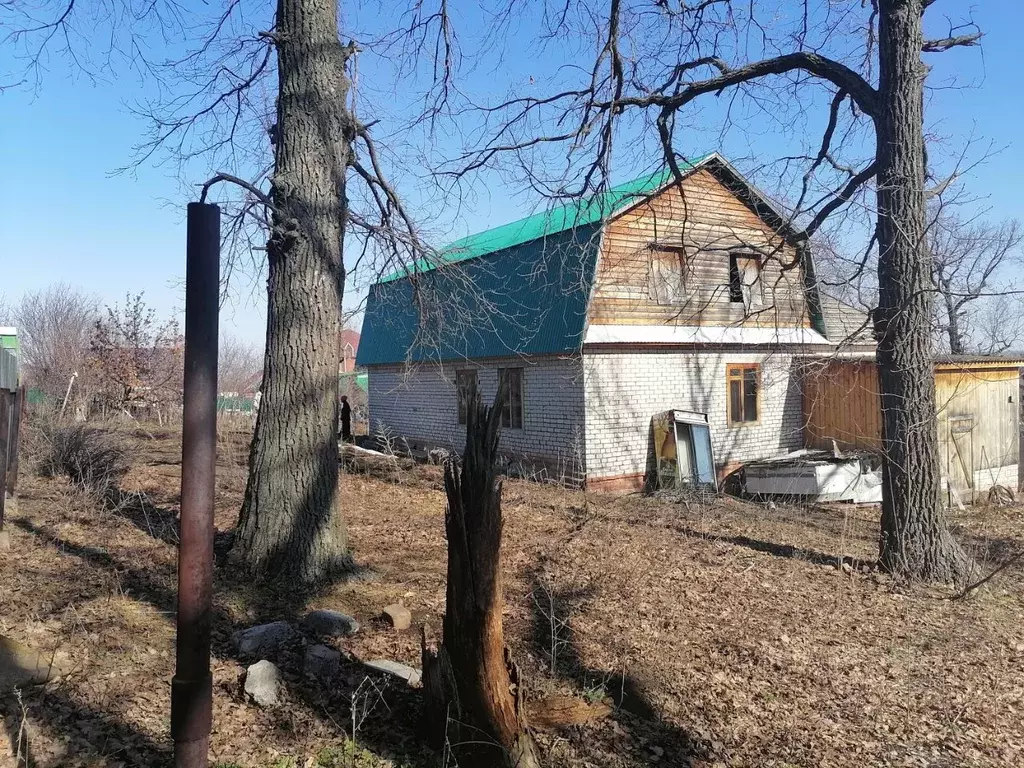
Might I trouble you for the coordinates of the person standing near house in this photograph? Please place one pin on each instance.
(346, 420)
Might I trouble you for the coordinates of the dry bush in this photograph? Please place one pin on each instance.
(92, 459)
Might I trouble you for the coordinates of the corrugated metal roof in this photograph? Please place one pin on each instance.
(572, 215)
(1008, 360)
(527, 298)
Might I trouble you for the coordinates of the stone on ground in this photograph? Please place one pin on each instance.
(263, 683)
(398, 616)
(409, 674)
(329, 623)
(263, 639)
(321, 662)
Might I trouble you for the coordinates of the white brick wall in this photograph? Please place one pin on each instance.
(621, 390)
(624, 390)
(419, 403)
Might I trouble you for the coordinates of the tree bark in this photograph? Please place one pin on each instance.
(290, 526)
(473, 694)
(915, 542)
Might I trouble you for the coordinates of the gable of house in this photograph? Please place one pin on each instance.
(699, 254)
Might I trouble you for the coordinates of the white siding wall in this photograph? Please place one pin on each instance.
(419, 403)
(625, 389)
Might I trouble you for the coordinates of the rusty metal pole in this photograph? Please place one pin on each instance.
(192, 685)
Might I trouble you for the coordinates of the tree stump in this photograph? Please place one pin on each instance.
(473, 695)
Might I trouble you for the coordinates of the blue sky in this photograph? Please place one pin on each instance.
(65, 216)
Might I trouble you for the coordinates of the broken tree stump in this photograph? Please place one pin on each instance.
(473, 695)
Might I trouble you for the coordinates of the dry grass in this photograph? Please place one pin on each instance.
(729, 634)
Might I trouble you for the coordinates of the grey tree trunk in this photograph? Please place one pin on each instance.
(915, 542)
(290, 525)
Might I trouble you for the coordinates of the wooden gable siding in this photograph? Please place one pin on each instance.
(710, 222)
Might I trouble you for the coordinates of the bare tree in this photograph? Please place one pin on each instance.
(239, 364)
(999, 325)
(771, 60)
(55, 325)
(974, 265)
(136, 360)
(266, 93)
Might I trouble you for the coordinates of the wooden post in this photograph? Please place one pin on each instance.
(17, 415)
(1020, 431)
(5, 447)
(472, 690)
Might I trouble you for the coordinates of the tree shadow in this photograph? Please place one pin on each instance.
(994, 551)
(76, 722)
(552, 637)
(777, 550)
(138, 509)
(332, 703)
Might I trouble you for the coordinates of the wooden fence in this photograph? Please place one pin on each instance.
(12, 404)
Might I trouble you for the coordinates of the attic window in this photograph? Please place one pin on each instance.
(667, 276)
(745, 280)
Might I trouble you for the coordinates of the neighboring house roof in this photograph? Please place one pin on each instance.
(844, 322)
(347, 336)
(521, 288)
(253, 383)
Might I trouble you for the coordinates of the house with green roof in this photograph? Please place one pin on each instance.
(691, 294)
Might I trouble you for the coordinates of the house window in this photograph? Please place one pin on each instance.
(667, 276)
(744, 382)
(512, 404)
(465, 389)
(745, 280)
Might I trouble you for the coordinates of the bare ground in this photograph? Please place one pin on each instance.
(729, 634)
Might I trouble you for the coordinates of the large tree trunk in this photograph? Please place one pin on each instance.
(290, 526)
(915, 542)
(472, 691)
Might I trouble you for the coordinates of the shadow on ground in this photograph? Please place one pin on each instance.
(391, 716)
(552, 637)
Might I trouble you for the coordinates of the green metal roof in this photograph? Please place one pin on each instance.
(528, 298)
(576, 214)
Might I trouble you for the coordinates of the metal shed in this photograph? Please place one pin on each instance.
(977, 411)
(9, 348)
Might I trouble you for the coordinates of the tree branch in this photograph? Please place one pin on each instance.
(840, 199)
(844, 78)
(255, 191)
(945, 43)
